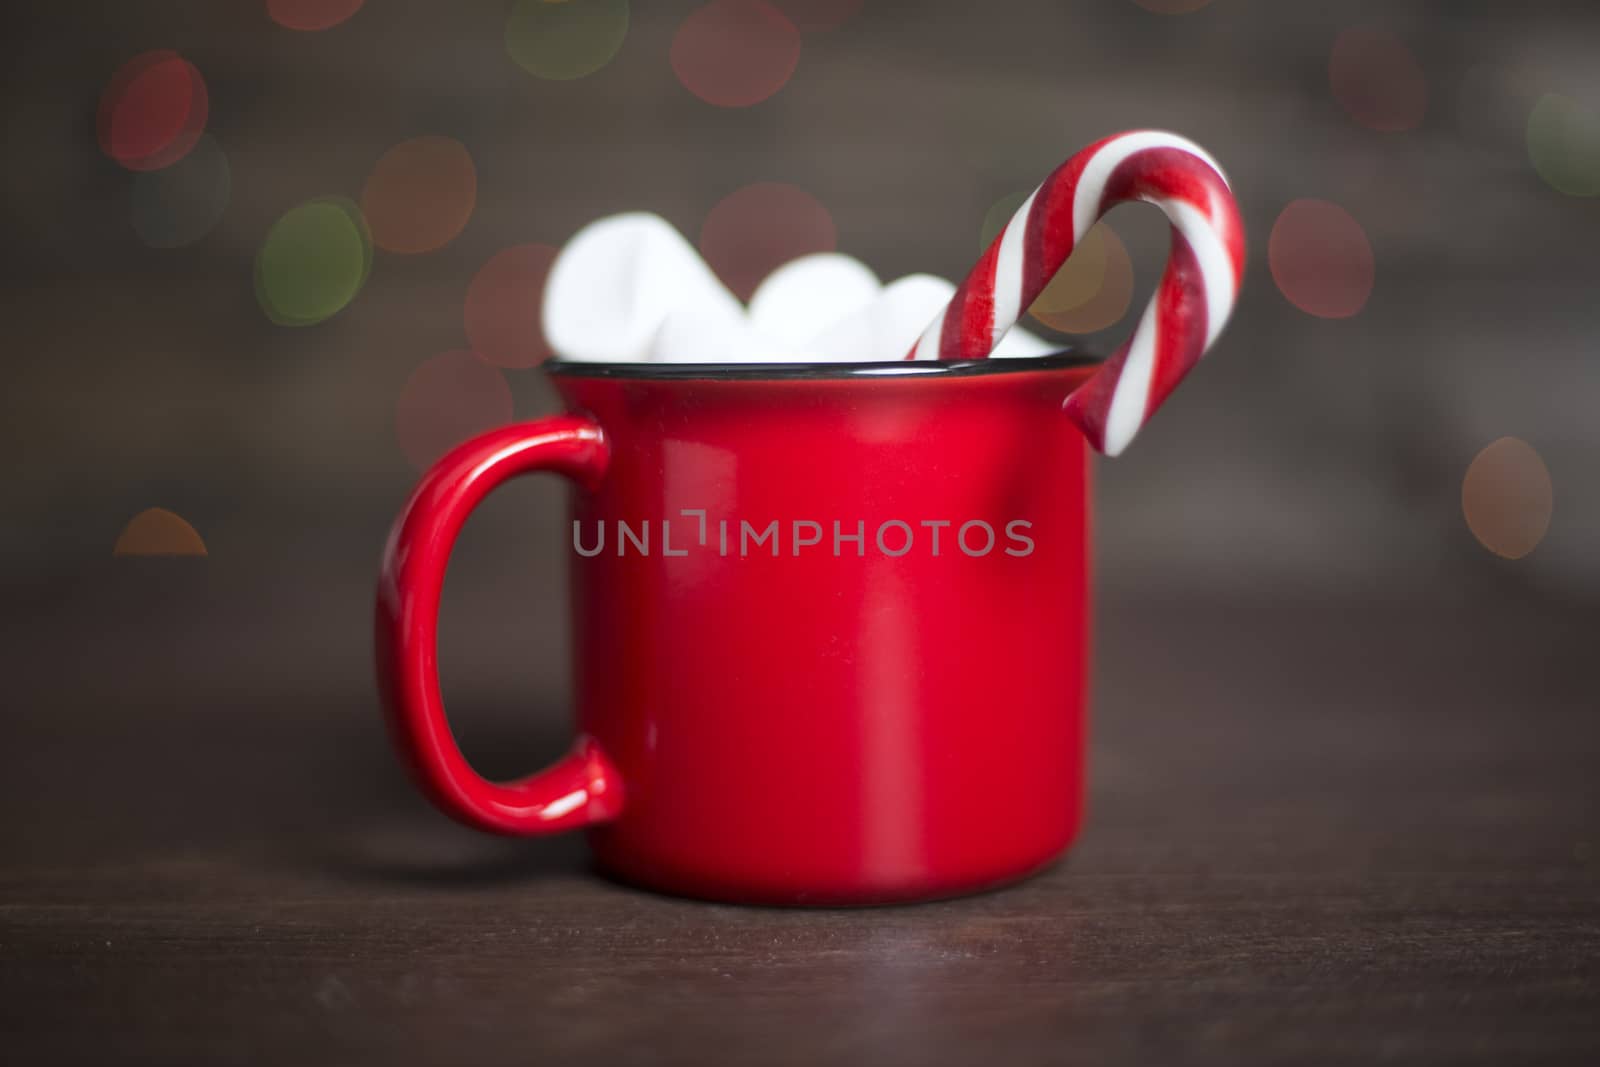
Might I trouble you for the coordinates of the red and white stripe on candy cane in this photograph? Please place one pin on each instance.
(1190, 306)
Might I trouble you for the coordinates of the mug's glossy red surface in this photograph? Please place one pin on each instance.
(795, 719)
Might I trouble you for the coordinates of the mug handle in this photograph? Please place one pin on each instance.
(584, 787)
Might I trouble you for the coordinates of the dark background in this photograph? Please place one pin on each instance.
(1342, 789)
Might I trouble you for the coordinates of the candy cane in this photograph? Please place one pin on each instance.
(1190, 306)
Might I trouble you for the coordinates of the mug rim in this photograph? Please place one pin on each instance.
(899, 368)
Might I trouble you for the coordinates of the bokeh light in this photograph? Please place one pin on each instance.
(1093, 290)
(1377, 80)
(448, 399)
(153, 111)
(1564, 144)
(560, 40)
(314, 261)
(505, 304)
(814, 16)
(735, 53)
(1507, 498)
(754, 230)
(158, 532)
(1321, 259)
(995, 219)
(180, 204)
(311, 15)
(1172, 7)
(420, 194)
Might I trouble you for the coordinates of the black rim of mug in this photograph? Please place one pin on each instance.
(899, 368)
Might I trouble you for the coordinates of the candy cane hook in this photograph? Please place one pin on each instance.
(1192, 303)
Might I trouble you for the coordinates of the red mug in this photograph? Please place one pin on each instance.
(829, 625)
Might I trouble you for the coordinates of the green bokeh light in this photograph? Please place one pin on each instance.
(179, 205)
(995, 219)
(565, 39)
(314, 261)
(1564, 145)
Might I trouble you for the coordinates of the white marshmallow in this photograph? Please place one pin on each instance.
(630, 288)
(890, 325)
(887, 328)
(1020, 344)
(806, 295)
(614, 283)
(704, 334)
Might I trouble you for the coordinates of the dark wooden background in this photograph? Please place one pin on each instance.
(1343, 780)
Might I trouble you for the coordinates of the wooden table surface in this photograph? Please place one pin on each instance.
(1320, 832)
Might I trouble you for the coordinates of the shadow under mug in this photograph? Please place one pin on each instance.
(829, 625)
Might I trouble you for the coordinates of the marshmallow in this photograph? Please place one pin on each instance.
(703, 334)
(890, 325)
(614, 284)
(806, 295)
(1020, 344)
(887, 328)
(630, 288)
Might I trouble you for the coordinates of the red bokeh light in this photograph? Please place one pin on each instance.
(1321, 259)
(754, 230)
(448, 399)
(735, 53)
(1377, 80)
(504, 306)
(153, 111)
(420, 194)
(311, 14)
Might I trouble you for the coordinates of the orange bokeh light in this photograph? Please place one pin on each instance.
(735, 53)
(504, 306)
(1377, 80)
(1093, 290)
(420, 194)
(448, 399)
(754, 230)
(153, 111)
(158, 532)
(311, 14)
(1507, 498)
(1321, 259)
